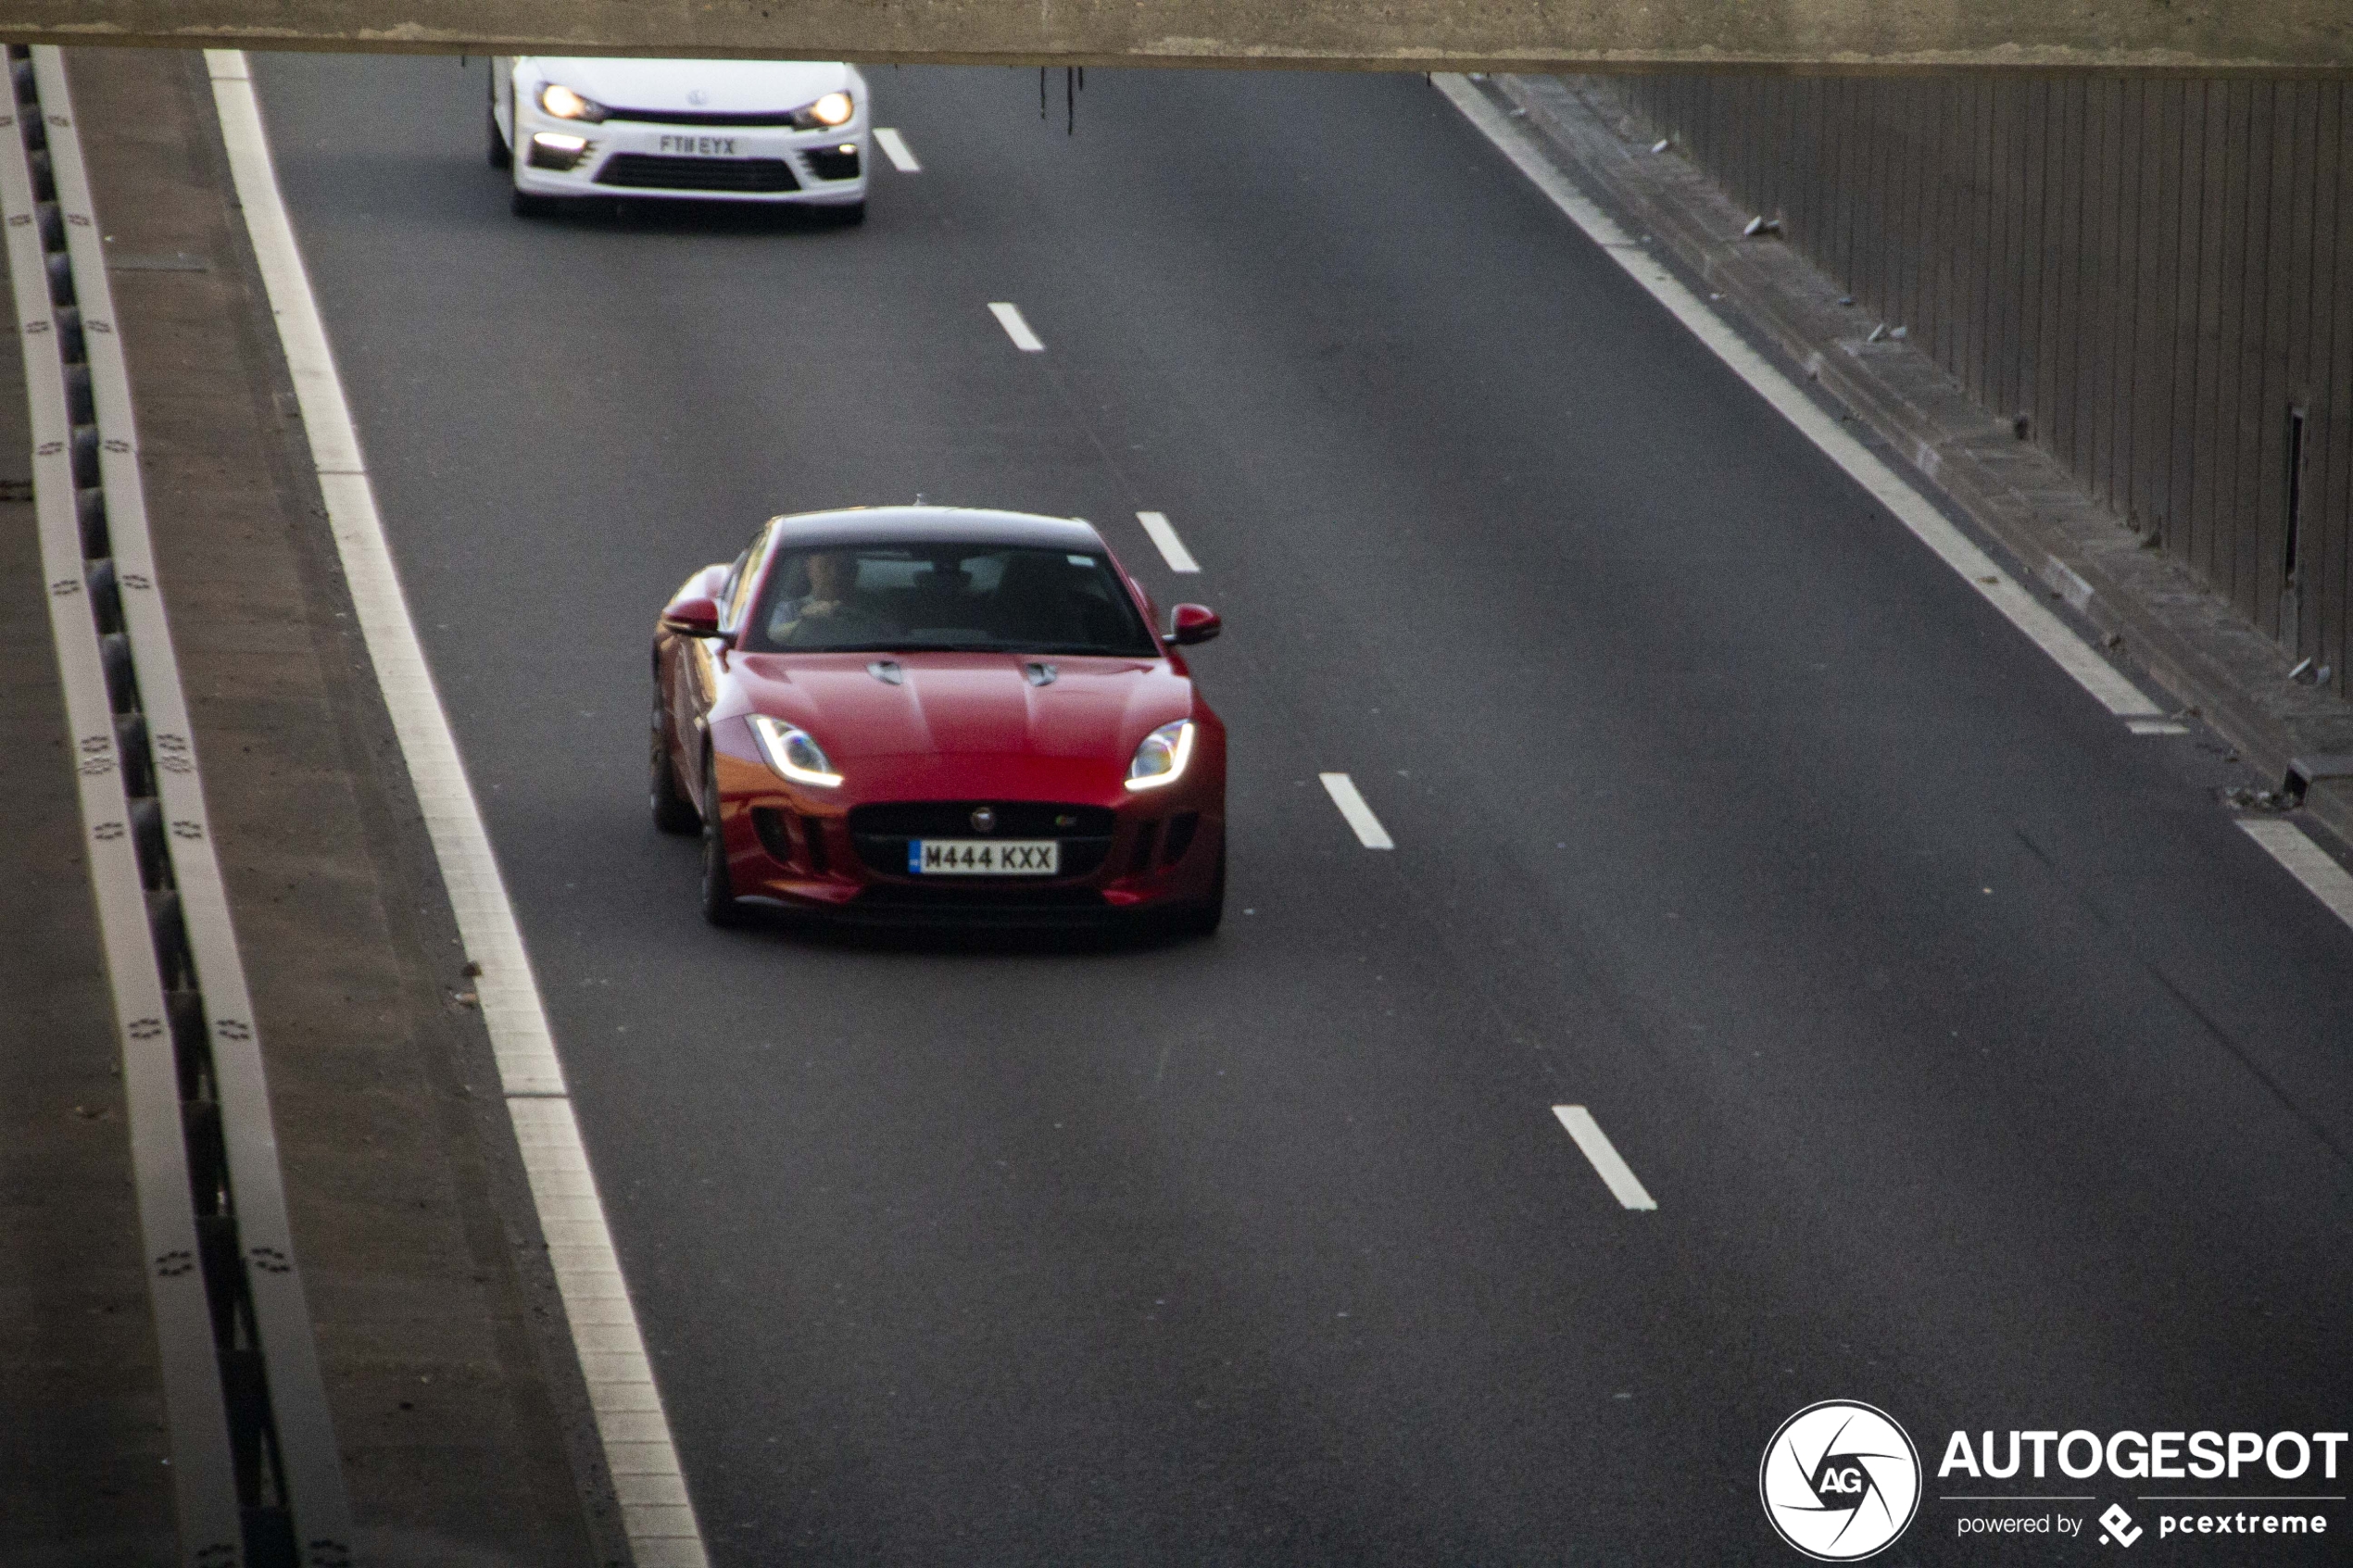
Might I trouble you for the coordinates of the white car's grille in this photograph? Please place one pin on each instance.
(658, 172)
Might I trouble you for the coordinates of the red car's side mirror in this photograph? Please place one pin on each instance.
(1189, 625)
(692, 616)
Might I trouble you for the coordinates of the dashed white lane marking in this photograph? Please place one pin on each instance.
(2017, 602)
(894, 147)
(1009, 318)
(1172, 550)
(1624, 1184)
(656, 1514)
(1369, 833)
(2156, 727)
(2306, 861)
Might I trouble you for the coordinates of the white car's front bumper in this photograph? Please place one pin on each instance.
(825, 167)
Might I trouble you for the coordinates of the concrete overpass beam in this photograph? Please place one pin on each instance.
(2199, 37)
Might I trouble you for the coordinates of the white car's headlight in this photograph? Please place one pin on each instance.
(1161, 758)
(565, 104)
(791, 752)
(834, 108)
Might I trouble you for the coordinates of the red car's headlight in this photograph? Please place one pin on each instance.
(790, 750)
(1161, 758)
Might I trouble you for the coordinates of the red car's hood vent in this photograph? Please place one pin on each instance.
(967, 705)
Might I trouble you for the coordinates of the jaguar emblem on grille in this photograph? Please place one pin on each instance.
(984, 819)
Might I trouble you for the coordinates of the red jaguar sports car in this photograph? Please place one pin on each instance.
(931, 713)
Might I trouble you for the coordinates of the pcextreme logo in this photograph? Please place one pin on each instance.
(1840, 1480)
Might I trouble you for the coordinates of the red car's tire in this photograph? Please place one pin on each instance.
(1203, 919)
(719, 906)
(673, 811)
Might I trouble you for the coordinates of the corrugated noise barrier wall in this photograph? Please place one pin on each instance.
(2157, 274)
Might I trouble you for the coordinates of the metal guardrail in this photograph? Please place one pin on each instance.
(256, 1478)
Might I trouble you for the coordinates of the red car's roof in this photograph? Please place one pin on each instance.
(884, 526)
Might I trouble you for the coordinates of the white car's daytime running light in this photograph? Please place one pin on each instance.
(565, 104)
(1161, 758)
(556, 142)
(834, 108)
(792, 754)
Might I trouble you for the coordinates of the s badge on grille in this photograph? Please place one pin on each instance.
(697, 96)
(984, 819)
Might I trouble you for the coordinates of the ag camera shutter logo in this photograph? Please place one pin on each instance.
(1840, 1480)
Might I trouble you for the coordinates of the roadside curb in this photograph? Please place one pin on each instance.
(2148, 606)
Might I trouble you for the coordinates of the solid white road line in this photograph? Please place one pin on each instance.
(2016, 601)
(1172, 550)
(656, 1514)
(1623, 1184)
(2306, 861)
(894, 147)
(1369, 833)
(1009, 318)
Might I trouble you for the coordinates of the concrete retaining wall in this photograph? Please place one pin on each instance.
(2155, 274)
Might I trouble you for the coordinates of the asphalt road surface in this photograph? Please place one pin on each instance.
(1980, 1067)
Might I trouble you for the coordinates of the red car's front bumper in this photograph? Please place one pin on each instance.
(843, 852)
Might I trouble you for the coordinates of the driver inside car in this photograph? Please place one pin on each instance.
(832, 609)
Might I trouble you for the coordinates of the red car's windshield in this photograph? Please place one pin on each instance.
(964, 597)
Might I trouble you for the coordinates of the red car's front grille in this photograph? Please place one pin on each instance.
(1139, 859)
(769, 823)
(880, 833)
(953, 819)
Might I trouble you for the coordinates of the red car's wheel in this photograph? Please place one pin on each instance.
(673, 811)
(719, 906)
(1204, 919)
